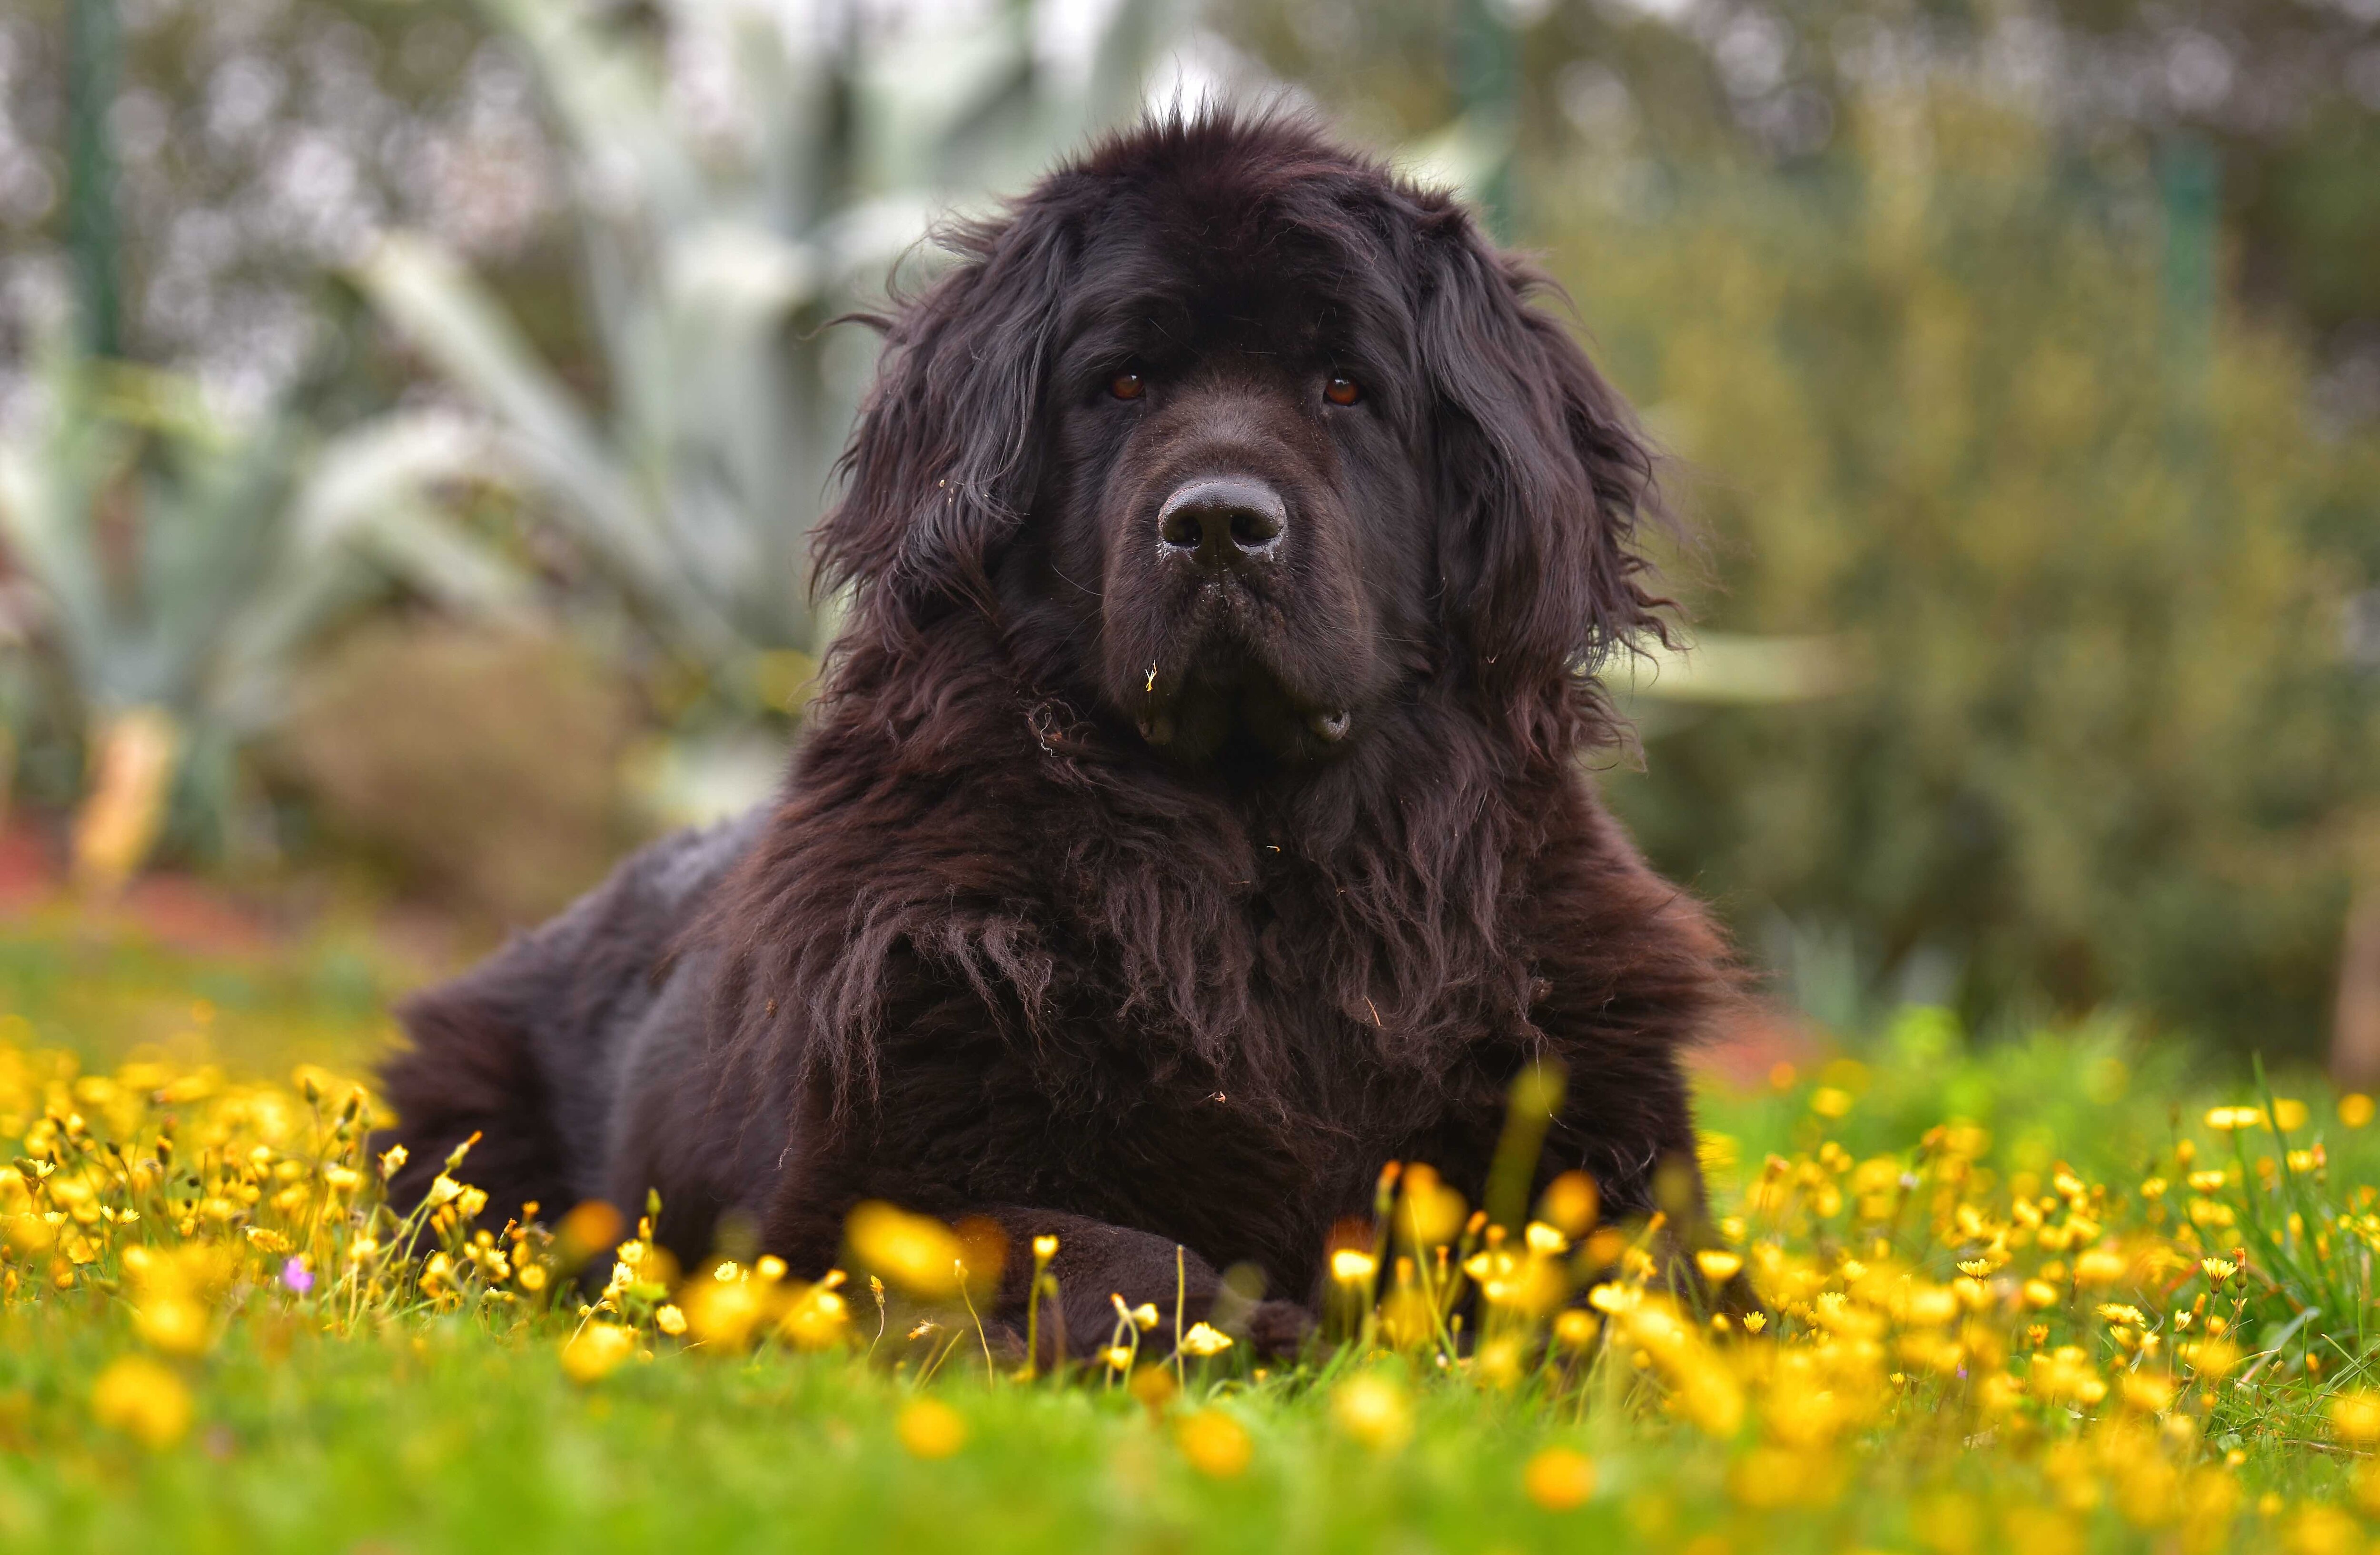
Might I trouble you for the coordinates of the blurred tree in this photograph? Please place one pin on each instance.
(171, 564)
(2105, 745)
(1941, 305)
(2286, 96)
(257, 148)
(744, 172)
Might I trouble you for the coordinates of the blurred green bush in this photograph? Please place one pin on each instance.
(2091, 559)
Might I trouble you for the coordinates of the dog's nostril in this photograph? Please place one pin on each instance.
(1222, 516)
(1182, 527)
(1252, 527)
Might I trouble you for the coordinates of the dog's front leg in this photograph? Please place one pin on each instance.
(1096, 1263)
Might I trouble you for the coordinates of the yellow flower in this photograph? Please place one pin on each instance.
(2355, 1416)
(2066, 1375)
(1718, 1266)
(143, 1400)
(2218, 1270)
(916, 1252)
(669, 1319)
(1772, 1476)
(1828, 1101)
(2324, 1530)
(1203, 1341)
(1545, 1239)
(1045, 1247)
(1118, 1356)
(1755, 1322)
(30, 1233)
(1559, 1478)
(2210, 1357)
(175, 1324)
(591, 1227)
(1144, 1317)
(1216, 1445)
(1429, 1214)
(2355, 1109)
(1372, 1410)
(593, 1353)
(1570, 1204)
(817, 1316)
(2150, 1392)
(1351, 1266)
(1575, 1328)
(931, 1428)
(1498, 1363)
(2226, 1120)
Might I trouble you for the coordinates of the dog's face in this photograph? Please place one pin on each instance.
(1245, 442)
(1234, 506)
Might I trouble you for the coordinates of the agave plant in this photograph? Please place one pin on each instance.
(179, 562)
(721, 229)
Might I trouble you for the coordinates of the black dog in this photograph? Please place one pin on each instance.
(1194, 817)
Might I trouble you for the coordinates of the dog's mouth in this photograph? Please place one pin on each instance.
(1227, 705)
(1234, 642)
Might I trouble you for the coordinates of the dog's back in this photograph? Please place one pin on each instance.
(529, 1049)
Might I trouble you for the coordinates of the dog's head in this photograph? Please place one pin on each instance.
(1243, 440)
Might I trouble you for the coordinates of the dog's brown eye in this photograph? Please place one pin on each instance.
(1342, 391)
(1126, 386)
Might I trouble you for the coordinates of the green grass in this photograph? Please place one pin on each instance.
(103, 995)
(425, 1432)
(437, 1437)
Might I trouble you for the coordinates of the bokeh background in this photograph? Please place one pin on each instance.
(410, 413)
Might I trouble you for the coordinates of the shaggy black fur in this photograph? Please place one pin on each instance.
(1194, 819)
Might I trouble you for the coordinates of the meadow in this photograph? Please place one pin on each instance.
(2058, 1290)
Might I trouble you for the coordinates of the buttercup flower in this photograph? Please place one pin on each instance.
(1202, 1341)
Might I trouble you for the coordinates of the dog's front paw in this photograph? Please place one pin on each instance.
(1275, 1329)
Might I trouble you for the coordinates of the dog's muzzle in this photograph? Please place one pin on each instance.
(1224, 524)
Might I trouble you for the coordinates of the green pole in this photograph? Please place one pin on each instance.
(1486, 72)
(92, 60)
(2190, 180)
(2190, 184)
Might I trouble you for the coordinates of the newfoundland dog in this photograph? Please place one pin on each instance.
(1193, 818)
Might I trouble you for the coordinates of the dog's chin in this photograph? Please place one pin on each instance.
(1231, 710)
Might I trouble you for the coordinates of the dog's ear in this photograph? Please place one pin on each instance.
(944, 457)
(1542, 475)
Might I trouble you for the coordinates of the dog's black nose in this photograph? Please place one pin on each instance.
(1223, 520)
